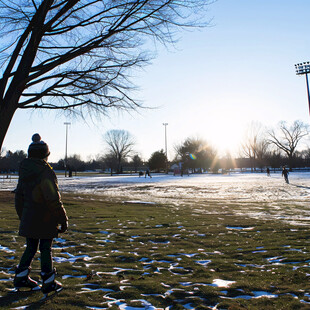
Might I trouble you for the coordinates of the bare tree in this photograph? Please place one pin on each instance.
(110, 161)
(77, 55)
(247, 150)
(120, 145)
(262, 152)
(286, 138)
(255, 144)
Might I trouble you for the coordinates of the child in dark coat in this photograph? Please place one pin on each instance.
(285, 174)
(41, 213)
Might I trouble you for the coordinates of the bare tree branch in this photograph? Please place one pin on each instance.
(255, 145)
(79, 54)
(287, 138)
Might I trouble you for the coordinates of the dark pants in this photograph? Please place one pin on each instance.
(45, 247)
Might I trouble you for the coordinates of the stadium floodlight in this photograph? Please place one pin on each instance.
(165, 124)
(304, 69)
(66, 151)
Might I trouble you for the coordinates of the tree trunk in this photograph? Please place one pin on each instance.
(6, 115)
(291, 162)
(16, 86)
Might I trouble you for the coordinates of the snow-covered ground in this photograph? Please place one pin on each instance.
(198, 189)
(175, 189)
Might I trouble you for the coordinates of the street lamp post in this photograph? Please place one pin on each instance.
(304, 68)
(66, 151)
(165, 124)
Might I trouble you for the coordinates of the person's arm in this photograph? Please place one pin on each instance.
(19, 200)
(52, 197)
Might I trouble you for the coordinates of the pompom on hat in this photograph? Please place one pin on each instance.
(38, 148)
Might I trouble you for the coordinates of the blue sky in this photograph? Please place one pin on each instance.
(212, 84)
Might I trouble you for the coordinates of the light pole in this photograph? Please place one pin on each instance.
(165, 124)
(66, 151)
(304, 68)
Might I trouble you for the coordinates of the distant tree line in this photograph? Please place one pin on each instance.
(102, 163)
(260, 148)
(9, 162)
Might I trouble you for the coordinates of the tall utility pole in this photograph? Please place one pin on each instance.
(165, 124)
(304, 68)
(66, 151)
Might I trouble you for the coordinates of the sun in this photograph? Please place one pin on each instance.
(226, 136)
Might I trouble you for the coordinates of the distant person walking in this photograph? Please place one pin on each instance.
(147, 173)
(285, 174)
(268, 172)
(42, 216)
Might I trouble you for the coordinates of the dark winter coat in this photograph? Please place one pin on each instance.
(37, 200)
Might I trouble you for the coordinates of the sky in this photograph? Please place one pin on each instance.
(212, 84)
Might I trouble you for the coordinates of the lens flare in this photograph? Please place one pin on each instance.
(192, 156)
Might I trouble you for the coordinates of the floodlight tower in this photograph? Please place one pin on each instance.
(165, 124)
(304, 68)
(66, 153)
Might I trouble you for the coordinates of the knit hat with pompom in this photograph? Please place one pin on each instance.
(38, 148)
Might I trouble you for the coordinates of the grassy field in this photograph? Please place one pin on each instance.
(149, 256)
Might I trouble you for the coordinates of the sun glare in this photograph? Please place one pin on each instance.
(226, 137)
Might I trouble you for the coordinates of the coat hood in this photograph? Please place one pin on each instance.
(31, 168)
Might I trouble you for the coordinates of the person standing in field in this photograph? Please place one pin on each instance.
(148, 173)
(285, 174)
(42, 216)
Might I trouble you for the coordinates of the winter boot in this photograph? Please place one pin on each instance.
(49, 282)
(22, 280)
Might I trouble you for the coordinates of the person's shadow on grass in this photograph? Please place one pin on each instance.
(13, 297)
(300, 186)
